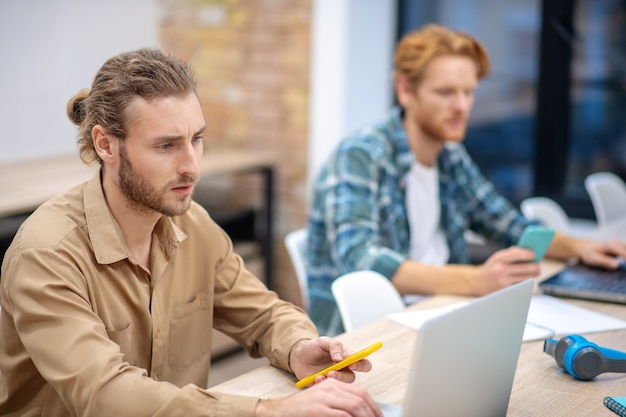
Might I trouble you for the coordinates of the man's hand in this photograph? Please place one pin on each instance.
(505, 268)
(310, 356)
(607, 254)
(330, 397)
(601, 253)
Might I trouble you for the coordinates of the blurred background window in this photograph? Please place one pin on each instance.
(553, 109)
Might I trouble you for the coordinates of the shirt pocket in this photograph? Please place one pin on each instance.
(190, 331)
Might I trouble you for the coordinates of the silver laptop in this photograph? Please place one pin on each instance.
(464, 361)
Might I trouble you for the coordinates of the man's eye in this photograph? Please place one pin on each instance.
(198, 138)
(165, 146)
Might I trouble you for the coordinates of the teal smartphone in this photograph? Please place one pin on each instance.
(537, 239)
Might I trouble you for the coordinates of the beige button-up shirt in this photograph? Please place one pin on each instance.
(86, 331)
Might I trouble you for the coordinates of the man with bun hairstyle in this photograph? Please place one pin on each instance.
(397, 197)
(111, 290)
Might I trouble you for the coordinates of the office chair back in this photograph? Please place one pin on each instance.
(547, 211)
(295, 241)
(365, 296)
(608, 196)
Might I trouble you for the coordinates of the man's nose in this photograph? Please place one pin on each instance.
(189, 163)
(462, 101)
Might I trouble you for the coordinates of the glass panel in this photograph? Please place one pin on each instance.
(501, 131)
(598, 92)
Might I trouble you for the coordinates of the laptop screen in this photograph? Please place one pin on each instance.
(464, 361)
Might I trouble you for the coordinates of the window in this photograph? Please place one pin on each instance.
(553, 109)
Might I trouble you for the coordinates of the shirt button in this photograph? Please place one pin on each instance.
(157, 334)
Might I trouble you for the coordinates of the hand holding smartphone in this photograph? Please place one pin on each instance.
(537, 239)
(340, 365)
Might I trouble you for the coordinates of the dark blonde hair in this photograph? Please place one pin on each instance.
(146, 73)
(416, 49)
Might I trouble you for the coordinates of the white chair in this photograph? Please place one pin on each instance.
(295, 241)
(548, 211)
(365, 296)
(608, 196)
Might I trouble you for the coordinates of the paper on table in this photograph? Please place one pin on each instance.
(416, 318)
(547, 317)
(532, 332)
(564, 318)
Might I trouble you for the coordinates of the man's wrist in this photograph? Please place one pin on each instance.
(293, 356)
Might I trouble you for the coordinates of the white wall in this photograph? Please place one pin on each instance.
(351, 64)
(52, 49)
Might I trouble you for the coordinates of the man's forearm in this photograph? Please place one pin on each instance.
(418, 278)
(565, 247)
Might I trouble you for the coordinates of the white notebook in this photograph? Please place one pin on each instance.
(547, 317)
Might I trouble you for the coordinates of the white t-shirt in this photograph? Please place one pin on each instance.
(428, 242)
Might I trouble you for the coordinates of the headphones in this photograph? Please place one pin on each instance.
(583, 359)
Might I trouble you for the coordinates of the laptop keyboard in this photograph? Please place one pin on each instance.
(595, 279)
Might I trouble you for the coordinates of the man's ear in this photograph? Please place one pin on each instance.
(405, 91)
(104, 145)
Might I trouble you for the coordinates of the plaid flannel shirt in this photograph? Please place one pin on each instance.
(358, 219)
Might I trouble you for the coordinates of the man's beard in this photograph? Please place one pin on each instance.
(142, 196)
(436, 129)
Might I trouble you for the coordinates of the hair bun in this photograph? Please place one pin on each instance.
(76, 107)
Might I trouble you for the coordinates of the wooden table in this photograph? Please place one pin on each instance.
(24, 185)
(540, 387)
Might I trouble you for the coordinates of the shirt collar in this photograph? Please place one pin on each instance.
(104, 232)
(404, 154)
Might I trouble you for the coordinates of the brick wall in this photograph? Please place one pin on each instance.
(251, 59)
